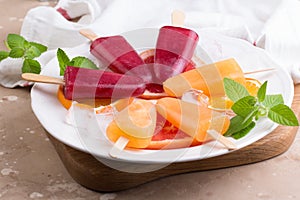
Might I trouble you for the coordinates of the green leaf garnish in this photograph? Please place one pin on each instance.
(40, 47)
(32, 52)
(78, 61)
(3, 55)
(17, 52)
(282, 114)
(261, 93)
(15, 41)
(273, 100)
(31, 66)
(83, 62)
(21, 48)
(63, 61)
(244, 131)
(244, 106)
(249, 109)
(237, 123)
(234, 90)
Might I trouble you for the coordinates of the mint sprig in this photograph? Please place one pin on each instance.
(3, 55)
(78, 61)
(249, 109)
(234, 91)
(19, 47)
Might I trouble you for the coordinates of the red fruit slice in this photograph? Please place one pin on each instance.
(148, 57)
(190, 66)
(167, 136)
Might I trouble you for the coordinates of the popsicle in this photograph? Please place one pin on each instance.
(119, 56)
(81, 83)
(133, 126)
(196, 120)
(193, 119)
(207, 78)
(116, 53)
(174, 50)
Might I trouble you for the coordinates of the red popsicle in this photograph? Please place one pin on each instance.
(119, 56)
(174, 50)
(116, 53)
(81, 83)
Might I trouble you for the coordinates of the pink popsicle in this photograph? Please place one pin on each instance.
(81, 83)
(174, 50)
(119, 56)
(116, 53)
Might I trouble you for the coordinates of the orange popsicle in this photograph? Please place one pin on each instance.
(208, 78)
(136, 123)
(191, 118)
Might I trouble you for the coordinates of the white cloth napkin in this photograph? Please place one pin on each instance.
(269, 24)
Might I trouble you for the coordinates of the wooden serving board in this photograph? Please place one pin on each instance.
(91, 173)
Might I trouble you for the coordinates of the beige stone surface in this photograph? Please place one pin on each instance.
(31, 169)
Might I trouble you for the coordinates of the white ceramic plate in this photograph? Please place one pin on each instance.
(89, 139)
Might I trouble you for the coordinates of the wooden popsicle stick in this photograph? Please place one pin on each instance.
(260, 70)
(42, 78)
(118, 147)
(88, 33)
(223, 140)
(178, 18)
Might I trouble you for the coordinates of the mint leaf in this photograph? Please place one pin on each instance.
(237, 123)
(78, 61)
(252, 114)
(244, 131)
(63, 60)
(3, 55)
(244, 106)
(282, 114)
(17, 52)
(26, 44)
(234, 90)
(261, 93)
(83, 62)
(248, 109)
(40, 47)
(15, 41)
(21, 48)
(31, 66)
(273, 100)
(32, 52)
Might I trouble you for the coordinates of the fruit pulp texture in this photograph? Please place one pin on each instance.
(174, 50)
(81, 83)
(167, 136)
(166, 130)
(252, 85)
(207, 78)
